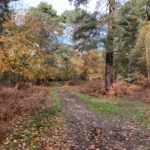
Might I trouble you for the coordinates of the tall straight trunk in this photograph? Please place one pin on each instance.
(109, 71)
(129, 68)
(109, 54)
(147, 60)
(146, 44)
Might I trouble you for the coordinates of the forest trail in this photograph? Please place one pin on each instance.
(92, 131)
(65, 122)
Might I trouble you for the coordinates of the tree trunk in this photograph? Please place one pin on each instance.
(109, 45)
(147, 61)
(109, 70)
(129, 68)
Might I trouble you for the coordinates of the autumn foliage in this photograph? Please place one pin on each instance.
(24, 59)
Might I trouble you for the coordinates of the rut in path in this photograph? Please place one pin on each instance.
(90, 131)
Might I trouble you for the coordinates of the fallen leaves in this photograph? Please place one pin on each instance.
(45, 130)
(95, 131)
(37, 133)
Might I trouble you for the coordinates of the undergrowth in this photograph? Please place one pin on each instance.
(37, 132)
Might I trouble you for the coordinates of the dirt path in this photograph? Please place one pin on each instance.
(90, 131)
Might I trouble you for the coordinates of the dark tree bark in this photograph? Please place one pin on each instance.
(109, 44)
(148, 10)
(109, 70)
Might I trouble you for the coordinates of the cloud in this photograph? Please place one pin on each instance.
(61, 5)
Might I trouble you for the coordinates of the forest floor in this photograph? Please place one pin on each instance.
(74, 121)
(96, 130)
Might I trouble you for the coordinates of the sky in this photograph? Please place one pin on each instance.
(59, 5)
(62, 5)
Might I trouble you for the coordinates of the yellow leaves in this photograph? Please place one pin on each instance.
(94, 64)
(3, 66)
(40, 70)
(144, 38)
(10, 26)
(22, 56)
(144, 35)
(17, 51)
(77, 62)
(89, 65)
(143, 45)
(94, 54)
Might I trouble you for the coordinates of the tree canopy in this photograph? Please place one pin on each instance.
(47, 46)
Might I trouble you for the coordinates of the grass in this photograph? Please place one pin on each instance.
(37, 119)
(120, 108)
(56, 101)
(42, 126)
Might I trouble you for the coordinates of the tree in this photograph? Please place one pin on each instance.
(49, 27)
(93, 65)
(4, 15)
(17, 50)
(68, 19)
(142, 53)
(86, 32)
(5, 12)
(83, 27)
(148, 10)
(23, 55)
(129, 19)
(109, 46)
(109, 41)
